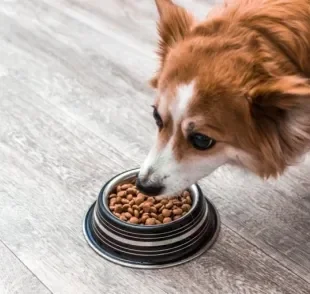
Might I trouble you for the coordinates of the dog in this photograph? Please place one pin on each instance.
(231, 89)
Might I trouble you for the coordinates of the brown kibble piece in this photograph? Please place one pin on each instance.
(126, 186)
(158, 205)
(123, 218)
(136, 213)
(154, 215)
(119, 188)
(164, 201)
(134, 220)
(186, 207)
(157, 222)
(144, 218)
(126, 207)
(132, 191)
(112, 195)
(167, 220)
(166, 212)
(118, 200)
(153, 209)
(112, 207)
(177, 211)
(169, 204)
(150, 221)
(132, 202)
(125, 201)
(121, 194)
(129, 197)
(128, 215)
(160, 217)
(118, 208)
(112, 201)
(146, 207)
(177, 217)
(130, 210)
(117, 214)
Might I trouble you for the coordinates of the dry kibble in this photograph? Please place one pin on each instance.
(154, 215)
(144, 218)
(167, 220)
(121, 194)
(164, 201)
(139, 200)
(169, 204)
(128, 215)
(134, 220)
(150, 221)
(112, 201)
(177, 211)
(160, 217)
(186, 207)
(158, 205)
(147, 207)
(153, 209)
(126, 186)
(166, 212)
(177, 217)
(118, 208)
(132, 191)
(129, 205)
(112, 195)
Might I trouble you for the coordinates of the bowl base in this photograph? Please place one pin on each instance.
(115, 257)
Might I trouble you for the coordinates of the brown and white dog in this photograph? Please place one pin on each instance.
(232, 89)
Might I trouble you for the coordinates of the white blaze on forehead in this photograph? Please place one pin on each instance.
(183, 97)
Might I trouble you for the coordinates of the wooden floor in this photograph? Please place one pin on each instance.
(75, 110)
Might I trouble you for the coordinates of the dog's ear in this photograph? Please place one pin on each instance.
(173, 25)
(281, 112)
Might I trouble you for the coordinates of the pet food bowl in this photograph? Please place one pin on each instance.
(156, 246)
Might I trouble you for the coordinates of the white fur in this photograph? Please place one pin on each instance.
(180, 104)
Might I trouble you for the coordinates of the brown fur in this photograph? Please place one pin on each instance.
(251, 64)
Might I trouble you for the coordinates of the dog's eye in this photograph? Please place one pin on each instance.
(157, 118)
(201, 142)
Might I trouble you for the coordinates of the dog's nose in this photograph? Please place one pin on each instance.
(149, 189)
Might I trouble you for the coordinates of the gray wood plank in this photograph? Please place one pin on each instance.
(15, 278)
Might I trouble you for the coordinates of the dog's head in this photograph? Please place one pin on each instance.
(218, 102)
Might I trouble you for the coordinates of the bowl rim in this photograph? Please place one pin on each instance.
(195, 192)
(129, 264)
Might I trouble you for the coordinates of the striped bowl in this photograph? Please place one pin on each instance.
(155, 246)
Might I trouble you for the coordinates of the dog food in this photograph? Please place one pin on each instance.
(129, 205)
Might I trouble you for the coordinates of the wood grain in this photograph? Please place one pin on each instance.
(75, 110)
(15, 278)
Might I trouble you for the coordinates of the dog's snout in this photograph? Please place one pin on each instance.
(151, 189)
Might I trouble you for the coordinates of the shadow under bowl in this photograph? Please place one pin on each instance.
(156, 246)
